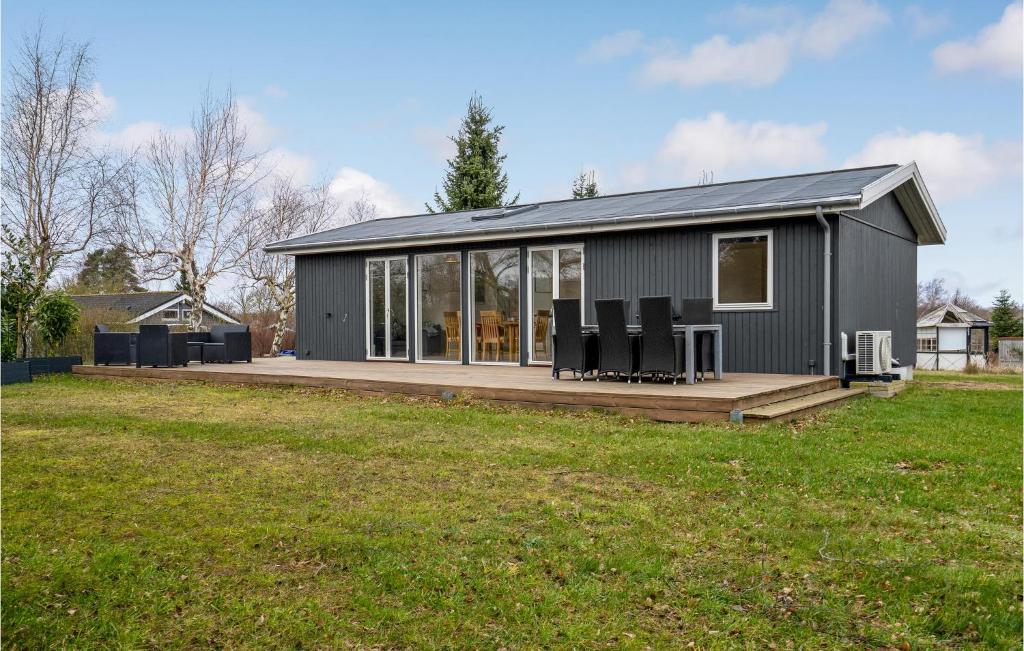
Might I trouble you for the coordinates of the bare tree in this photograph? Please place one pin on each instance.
(55, 188)
(930, 295)
(188, 201)
(291, 211)
(362, 209)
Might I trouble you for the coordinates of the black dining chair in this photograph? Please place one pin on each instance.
(661, 352)
(699, 311)
(619, 353)
(570, 344)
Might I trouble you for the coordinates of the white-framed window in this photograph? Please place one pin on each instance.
(170, 314)
(927, 344)
(495, 296)
(439, 319)
(553, 272)
(742, 270)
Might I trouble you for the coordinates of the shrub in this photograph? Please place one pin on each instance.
(56, 317)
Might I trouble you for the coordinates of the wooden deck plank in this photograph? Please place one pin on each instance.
(533, 386)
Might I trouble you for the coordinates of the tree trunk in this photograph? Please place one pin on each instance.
(198, 296)
(284, 311)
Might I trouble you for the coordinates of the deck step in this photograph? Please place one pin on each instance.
(803, 405)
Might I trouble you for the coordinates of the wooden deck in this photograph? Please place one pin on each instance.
(705, 401)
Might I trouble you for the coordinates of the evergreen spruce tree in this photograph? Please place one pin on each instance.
(584, 186)
(475, 178)
(1005, 322)
(107, 270)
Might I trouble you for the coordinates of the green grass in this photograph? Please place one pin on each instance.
(946, 377)
(185, 515)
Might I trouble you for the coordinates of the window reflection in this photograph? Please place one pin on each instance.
(495, 277)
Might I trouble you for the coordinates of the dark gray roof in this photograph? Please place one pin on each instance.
(839, 187)
(134, 303)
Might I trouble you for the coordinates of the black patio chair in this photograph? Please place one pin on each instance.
(158, 346)
(228, 343)
(112, 347)
(573, 350)
(700, 311)
(619, 353)
(661, 352)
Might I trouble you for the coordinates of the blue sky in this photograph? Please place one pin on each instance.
(364, 94)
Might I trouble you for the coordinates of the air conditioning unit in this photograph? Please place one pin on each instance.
(874, 352)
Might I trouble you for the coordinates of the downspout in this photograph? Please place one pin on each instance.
(827, 343)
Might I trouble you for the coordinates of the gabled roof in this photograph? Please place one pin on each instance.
(132, 303)
(140, 305)
(780, 196)
(950, 313)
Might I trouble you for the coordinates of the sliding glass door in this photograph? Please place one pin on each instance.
(495, 284)
(555, 272)
(439, 306)
(387, 308)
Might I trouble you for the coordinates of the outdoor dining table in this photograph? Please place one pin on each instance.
(689, 332)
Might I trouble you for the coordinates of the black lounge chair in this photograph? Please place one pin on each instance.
(699, 311)
(112, 347)
(158, 346)
(224, 343)
(661, 352)
(619, 353)
(573, 351)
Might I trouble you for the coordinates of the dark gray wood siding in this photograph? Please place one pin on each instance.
(330, 284)
(678, 262)
(875, 277)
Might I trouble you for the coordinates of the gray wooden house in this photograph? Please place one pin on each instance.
(791, 262)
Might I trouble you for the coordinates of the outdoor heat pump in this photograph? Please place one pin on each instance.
(874, 352)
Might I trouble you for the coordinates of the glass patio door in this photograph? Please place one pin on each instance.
(387, 308)
(555, 272)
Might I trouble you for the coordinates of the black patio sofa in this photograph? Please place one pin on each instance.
(224, 343)
(113, 347)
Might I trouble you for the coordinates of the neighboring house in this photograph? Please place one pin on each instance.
(950, 337)
(1011, 352)
(169, 308)
(791, 262)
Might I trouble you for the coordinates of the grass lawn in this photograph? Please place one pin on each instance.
(186, 515)
(946, 377)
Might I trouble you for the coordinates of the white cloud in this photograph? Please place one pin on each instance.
(350, 184)
(258, 128)
(924, 22)
(841, 22)
(996, 48)
(139, 135)
(104, 106)
(953, 165)
(275, 91)
(286, 164)
(437, 141)
(614, 46)
(728, 148)
(757, 61)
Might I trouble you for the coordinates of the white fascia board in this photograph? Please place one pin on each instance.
(184, 298)
(597, 225)
(931, 230)
(159, 308)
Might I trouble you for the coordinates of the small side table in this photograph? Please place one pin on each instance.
(197, 344)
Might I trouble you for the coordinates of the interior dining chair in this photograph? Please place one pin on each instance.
(541, 322)
(452, 333)
(490, 333)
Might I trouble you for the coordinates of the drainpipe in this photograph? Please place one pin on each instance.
(827, 364)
